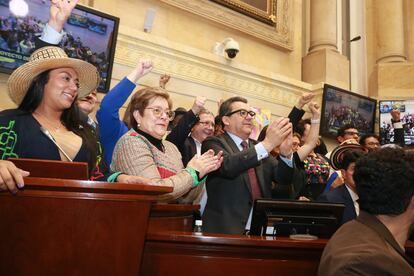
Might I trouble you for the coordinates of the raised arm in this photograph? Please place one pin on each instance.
(111, 127)
(297, 111)
(398, 127)
(313, 136)
(179, 133)
(59, 12)
(164, 79)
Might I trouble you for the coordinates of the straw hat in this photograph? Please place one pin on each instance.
(337, 154)
(48, 58)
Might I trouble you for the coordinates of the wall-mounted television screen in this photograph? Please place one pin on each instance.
(406, 108)
(341, 107)
(88, 34)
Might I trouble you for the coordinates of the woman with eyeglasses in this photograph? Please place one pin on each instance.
(143, 152)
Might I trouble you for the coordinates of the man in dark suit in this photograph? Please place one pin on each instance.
(373, 244)
(346, 193)
(203, 128)
(247, 170)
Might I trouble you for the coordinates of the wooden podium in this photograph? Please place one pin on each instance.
(69, 227)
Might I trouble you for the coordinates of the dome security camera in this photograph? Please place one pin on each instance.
(231, 48)
(228, 48)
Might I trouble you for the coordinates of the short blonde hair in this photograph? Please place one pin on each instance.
(141, 99)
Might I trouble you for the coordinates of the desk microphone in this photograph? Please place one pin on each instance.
(47, 133)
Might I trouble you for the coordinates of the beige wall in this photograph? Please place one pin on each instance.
(191, 30)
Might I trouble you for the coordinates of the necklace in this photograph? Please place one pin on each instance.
(43, 120)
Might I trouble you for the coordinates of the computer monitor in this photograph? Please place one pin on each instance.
(293, 217)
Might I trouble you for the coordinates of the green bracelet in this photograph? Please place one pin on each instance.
(112, 178)
(196, 180)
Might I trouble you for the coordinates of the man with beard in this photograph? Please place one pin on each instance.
(373, 244)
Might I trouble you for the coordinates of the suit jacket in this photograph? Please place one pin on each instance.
(188, 150)
(229, 194)
(341, 195)
(180, 132)
(364, 247)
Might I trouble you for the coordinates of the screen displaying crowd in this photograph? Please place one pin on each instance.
(407, 119)
(87, 36)
(342, 107)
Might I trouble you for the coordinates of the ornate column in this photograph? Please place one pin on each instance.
(390, 31)
(392, 74)
(323, 25)
(324, 63)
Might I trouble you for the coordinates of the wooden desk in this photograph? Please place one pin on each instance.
(184, 253)
(180, 253)
(68, 227)
(172, 217)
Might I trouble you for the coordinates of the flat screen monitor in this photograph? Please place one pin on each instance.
(341, 107)
(293, 217)
(88, 34)
(406, 108)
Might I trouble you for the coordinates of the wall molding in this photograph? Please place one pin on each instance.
(279, 35)
(206, 69)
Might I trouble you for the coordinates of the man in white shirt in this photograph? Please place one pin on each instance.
(203, 128)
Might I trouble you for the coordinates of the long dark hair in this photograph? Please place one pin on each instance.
(70, 117)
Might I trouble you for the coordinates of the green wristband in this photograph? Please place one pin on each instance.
(194, 176)
(112, 178)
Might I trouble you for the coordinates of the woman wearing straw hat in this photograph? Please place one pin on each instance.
(46, 124)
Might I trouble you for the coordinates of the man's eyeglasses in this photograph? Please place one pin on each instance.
(351, 133)
(158, 112)
(242, 112)
(207, 124)
(373, 144)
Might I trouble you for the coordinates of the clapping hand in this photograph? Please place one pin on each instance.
(276, 133)
(206, 163)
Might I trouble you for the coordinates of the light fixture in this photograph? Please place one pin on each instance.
(19, 8)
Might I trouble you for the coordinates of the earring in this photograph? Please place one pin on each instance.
(138, 125)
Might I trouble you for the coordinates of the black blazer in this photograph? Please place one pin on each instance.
(341, 195)
(189, 149)
(229, 196)
(179, 133)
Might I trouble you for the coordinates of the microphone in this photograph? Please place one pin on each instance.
(47, 133)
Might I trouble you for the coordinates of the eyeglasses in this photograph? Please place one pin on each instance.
(351, 133)
(207, 124)
(373, 144)
(158, 112)
(242, 112)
